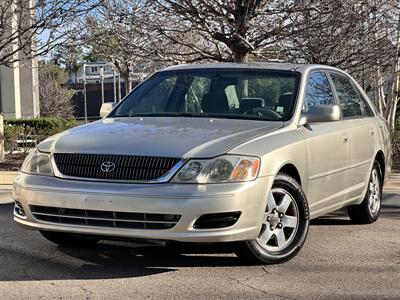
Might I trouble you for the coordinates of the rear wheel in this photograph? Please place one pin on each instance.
(284, 228)
(368, 211)
(68, 239)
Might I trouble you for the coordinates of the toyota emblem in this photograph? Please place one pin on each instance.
(107, 166)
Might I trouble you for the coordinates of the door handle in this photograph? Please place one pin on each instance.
(371, 132)
(345, 139)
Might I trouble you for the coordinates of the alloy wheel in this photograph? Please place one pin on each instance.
(281, 221)
(374, 200)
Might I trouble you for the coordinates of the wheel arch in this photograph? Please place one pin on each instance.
(380, 158)
(291, 170)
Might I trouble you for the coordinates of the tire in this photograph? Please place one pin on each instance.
(281, 217)
(368, 211)
(68, 239)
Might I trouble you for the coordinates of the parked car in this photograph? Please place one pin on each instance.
(241, 153)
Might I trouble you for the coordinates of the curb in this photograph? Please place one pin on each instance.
(6, 197)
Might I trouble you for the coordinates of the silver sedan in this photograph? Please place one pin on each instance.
(240, 153)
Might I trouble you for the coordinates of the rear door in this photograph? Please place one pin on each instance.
(358, 118)
(328, 149)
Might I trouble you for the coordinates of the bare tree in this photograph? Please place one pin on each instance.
(68, 56)
(118, 33)
(55, 101)
(360, 36)
(229, 30)
(29, 28)
(394, 86)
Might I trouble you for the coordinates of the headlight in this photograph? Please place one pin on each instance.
(37, 163)
(228, 168)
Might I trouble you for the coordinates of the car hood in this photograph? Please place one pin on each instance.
(164, 136)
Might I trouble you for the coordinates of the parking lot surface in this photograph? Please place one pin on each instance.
(339, 260)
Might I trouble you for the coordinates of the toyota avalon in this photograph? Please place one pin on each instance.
(240, 153)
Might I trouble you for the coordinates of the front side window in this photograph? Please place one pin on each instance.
(225, 93)
(349, 99)
(318, 91)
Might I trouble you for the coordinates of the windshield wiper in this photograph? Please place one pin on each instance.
(193, 115)
(143, 115)
(171, 114)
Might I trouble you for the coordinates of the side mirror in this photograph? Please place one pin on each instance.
(106, 108)
(319, 114)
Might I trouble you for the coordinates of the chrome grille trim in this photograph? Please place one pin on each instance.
(96, 218)
(128, 168)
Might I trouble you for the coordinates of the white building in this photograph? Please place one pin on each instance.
(19, 91)
(91, 71)
(19, 88)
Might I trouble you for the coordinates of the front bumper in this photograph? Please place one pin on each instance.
(188, 200)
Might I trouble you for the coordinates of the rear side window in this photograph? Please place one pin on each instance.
(366, 109)
(350, 102)
(318, 91)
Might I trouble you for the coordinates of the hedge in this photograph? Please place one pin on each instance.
(43, 124)
(16, 131)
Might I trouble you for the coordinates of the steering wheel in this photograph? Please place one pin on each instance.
(263, 112)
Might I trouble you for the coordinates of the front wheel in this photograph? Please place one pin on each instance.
(284, 228)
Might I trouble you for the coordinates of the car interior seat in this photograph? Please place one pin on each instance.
(247, 104)
(215, 101)
(284, 103)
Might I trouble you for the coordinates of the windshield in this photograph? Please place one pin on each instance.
(224, 93)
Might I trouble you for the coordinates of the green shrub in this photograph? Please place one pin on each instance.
(20, 132)
(50, 125)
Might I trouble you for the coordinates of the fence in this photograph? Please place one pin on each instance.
(93, 98)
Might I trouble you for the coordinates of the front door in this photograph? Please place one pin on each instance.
(328, 150)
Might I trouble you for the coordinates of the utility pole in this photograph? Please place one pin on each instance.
(84, 93)
(102, 84)
(114, 86)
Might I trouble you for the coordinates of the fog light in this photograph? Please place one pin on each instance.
(19, 210)
(217, 220)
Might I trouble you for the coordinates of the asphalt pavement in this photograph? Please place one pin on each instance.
(338, 261)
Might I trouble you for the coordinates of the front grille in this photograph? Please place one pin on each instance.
(140, 168)
(114, 219)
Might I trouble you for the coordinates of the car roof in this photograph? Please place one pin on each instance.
(255, 65)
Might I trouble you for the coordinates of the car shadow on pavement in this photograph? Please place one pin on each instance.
(111, 257)
(25, 255)
(107, 261)
(336, 218)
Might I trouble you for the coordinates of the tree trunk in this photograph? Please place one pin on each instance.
(240, 56)
(392, 119)
(390, 113)
(380, 95)
(126, 81)
(394, 93)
